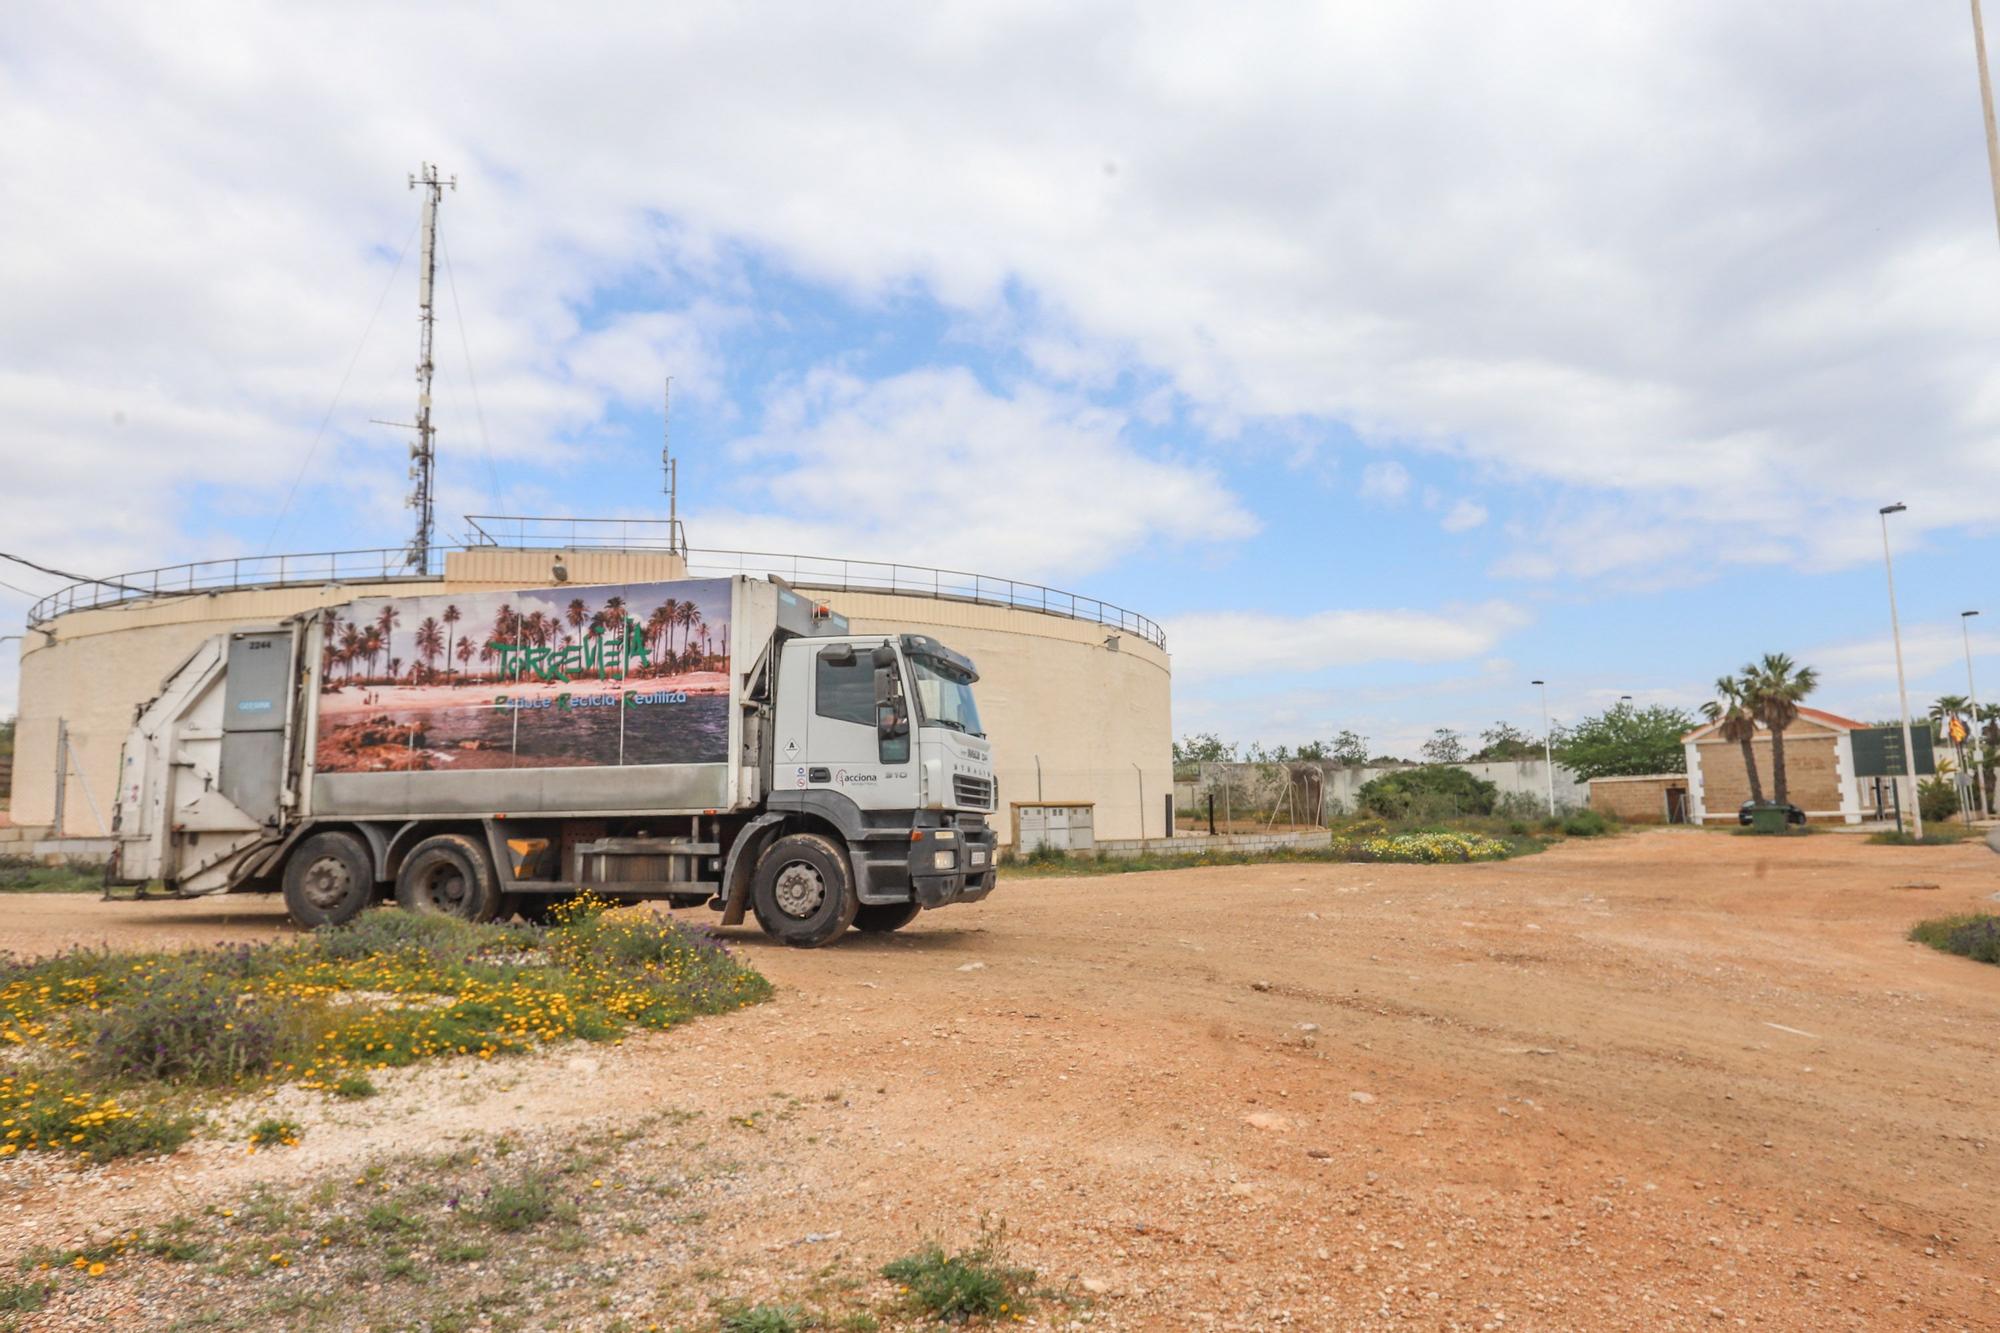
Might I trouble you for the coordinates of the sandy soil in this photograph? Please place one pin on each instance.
(1674, 1079)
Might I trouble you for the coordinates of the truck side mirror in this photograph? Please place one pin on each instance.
(885, 684)
(883, 656)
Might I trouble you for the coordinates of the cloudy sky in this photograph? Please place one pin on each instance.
(1389, 355)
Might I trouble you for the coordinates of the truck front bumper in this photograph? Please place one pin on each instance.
(969, 857)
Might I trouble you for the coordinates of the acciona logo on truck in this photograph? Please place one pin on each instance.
(841, 777)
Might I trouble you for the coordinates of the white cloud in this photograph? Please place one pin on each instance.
(931, 467)
(1464, 516)
(1387, 481)
(1244, 643)
(1504, 237)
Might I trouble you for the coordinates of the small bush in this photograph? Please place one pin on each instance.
(1945, 835)
(275, 1133)
(768, 1319)
(353, 1087)
(955, 1288)
(520, 1205)
(1937, 798)
(1586, 824)
(191, 1023)
(1976, 936)
(1432, 792)
(24, 1297)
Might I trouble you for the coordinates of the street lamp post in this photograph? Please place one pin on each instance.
(1902, 688)
(1972, 695)
(1548, 747)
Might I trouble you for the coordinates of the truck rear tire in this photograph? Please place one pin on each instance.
(881, 918)
(329, 878)
(448, 875)
(803, 892)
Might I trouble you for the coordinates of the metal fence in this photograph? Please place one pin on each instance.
(386, 565)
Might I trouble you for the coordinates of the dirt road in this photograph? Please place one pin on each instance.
(1672, 1079)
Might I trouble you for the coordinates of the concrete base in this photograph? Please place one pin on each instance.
(56, 851)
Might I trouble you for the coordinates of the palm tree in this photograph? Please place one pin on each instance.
(1773, 686)
(386, 620)
(450, 619)
(1947, 707)
(657, 626)
(686, 617)
(430, 642)
(486, 655)
(350, 646)
(1731, 709)
(578, 615)
(372, 645)
(330, 640)
(464, 655)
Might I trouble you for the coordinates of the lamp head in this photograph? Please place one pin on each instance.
(1963, 614)
(1896, 508)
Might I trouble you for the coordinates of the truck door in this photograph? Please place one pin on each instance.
(253, 722)
(845, 748)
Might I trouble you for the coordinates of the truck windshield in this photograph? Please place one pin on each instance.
(944, 693)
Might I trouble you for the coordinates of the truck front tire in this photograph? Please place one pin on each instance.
(803, 892)
(881, 918)
(329, 878)
(448, 875)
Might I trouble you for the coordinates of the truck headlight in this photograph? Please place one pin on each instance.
(945, 860)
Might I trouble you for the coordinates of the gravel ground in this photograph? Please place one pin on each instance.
(1672, 1079)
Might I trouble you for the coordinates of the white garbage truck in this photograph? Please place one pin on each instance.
(489, 752)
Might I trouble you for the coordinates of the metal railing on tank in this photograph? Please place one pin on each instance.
(491, 532)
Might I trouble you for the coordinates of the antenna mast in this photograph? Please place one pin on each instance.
(670, 470)
(423, 454)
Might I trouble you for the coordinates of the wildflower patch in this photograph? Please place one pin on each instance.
(110, 1054)
(1422, 848)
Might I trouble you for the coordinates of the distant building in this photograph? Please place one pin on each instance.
(1819, 770)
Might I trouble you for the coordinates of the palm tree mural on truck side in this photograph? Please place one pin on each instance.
(1731, 708)
(528, 678)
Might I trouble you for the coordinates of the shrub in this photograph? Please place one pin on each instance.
(768, 1319)
(1976, 936)
(955, 1288)
(520, 1205)
(1937, 798)
(353, 1087)
(274, 1133)
(1432, 792)
(191, 1021)
(1586, 824)
(1521, 807)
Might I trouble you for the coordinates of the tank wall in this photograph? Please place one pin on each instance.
(1050, 689)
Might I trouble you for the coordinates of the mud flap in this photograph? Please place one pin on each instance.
(742, 863)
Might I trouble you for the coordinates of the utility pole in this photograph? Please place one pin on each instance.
(1972, 696)
(1902, 688)
(1548, 747)
(1986, 106)
(423, 454)
(669, 469)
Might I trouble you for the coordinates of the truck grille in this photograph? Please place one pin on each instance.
(975, 793)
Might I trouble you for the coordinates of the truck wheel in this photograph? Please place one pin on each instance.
(448, 875)
(802, 891)
(328, 880)
(881, 918)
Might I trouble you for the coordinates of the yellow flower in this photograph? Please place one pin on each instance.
(97, 1270)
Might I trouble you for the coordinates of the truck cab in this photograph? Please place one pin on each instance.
(879, 735)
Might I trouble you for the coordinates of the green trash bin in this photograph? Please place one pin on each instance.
(1767, 818)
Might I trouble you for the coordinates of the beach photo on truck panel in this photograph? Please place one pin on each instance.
(541, 678)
